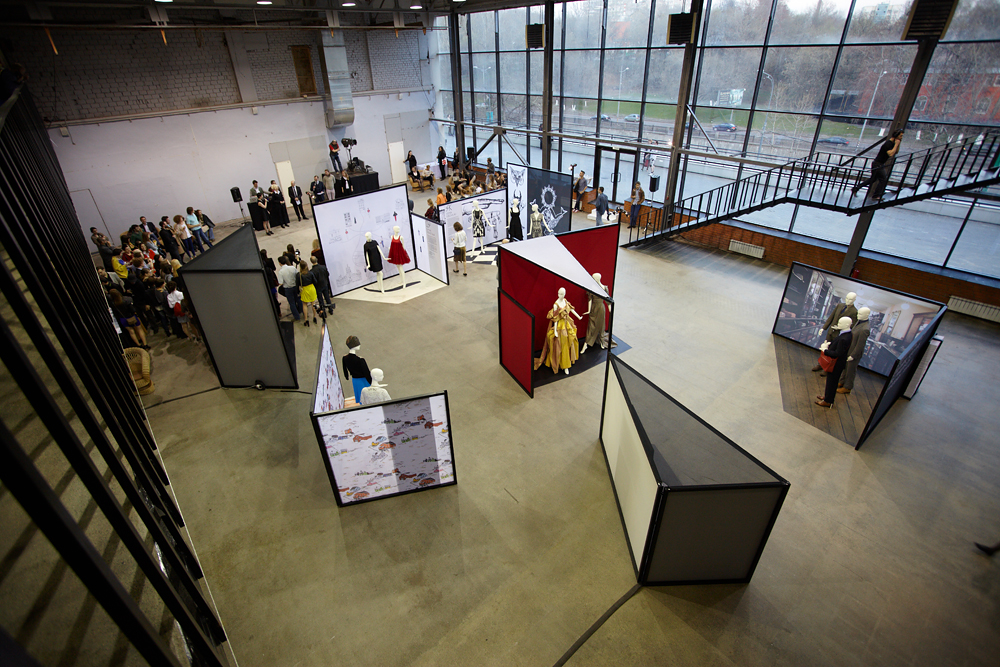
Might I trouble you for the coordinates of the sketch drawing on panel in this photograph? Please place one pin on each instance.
(548, 206)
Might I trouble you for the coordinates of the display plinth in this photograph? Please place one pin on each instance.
(695, 506)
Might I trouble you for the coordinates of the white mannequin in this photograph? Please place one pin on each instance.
(863, 315)
(482, 246)
(597, 277)
(375, 393)
(514, 210)
(402, 271)
(560, 303)
(368, 237)
(537, 219)
(850, 298)
(843, 324)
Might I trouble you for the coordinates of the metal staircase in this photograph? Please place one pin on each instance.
(825, 180)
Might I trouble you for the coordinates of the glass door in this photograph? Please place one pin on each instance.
(615, 171)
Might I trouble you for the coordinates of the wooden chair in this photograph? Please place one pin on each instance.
(140, 365)
(415, 185)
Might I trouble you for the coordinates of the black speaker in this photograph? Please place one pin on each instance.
(654, 183)
(470, 151)
(235, 192)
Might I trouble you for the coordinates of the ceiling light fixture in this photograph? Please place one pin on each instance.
(348, 3)
(263, 2)
(416, 5)
(164, 0)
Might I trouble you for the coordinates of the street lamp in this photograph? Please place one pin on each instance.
(620, 75)
(874, 93)
(760, 145)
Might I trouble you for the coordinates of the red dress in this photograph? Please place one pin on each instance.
(397, 253)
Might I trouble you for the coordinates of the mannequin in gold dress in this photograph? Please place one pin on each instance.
(562, 348)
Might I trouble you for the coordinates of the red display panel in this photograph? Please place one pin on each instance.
(536, 289)
(597, 251)
(516, 325)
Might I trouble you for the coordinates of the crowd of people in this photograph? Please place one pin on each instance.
(464, 184)
(305, 285)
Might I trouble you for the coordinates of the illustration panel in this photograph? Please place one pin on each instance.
(389, 448)
(329, 395)
(341, 227)
(428, 245)
(552, 192)
(493, 205)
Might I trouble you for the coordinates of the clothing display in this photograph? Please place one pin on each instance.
(356, 369)
(839, 350)
(373, 256)
(536, 225)
(515, 231)
(842, 310)
(859, 338)
(397, 253)
(562, 348)
(595, 327)
(370, 395)
(478, 223)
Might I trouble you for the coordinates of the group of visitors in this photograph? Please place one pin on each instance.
(269, 207)
(331, 186)
(463, 184)
(305, 285)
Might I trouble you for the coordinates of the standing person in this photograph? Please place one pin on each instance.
(98, 238)
(206, 223)
(329, 182)
(317, 252)
(458, 241)
(272, 278)
(289, 287)
(490, 168)
(128, 318)
(441, 199)
(317, 191)
(335, 156)
(257, 212)
(431, 212)
(107, 255)
(346, 189)
(638, 196)
(601, 205)
(182, 232)
(295, 196)
(306, 283)
(411, 160)
(146, 225)
(322, 277)
(580, 187)
(881, 166)
(195, 225)
(839, 350)
(276, 210)
(175, 305)
(442, 159)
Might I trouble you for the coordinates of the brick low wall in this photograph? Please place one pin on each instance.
(784, 251)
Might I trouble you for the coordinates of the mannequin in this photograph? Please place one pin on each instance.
(859, 336)
(479, 223)
(597, 309)
(562, 347)
(515, 232)
(838, 350)
(373, 258)
(356, 368)
(397, 254)
(537, 222)
(376, 393)
(845, 309)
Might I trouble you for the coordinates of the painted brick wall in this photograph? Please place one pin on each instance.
(273, 68)
(357, 58)
(395, 61)
(126, 72)
(785, 251)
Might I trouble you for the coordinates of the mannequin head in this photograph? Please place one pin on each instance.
(597, 277)
(514, 203)
(534, 208)
(849, 299)
(353, 343)
(844, 324)
(368, 236)
(395, 230)
(561, 293)
(377, 377)
(475, 205)
(864, 314)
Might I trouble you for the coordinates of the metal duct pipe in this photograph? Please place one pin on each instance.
(340, 107)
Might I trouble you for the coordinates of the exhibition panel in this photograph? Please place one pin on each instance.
(387, 449)
(342, 225)
(596, 249)
(714, 504)
(494, 211)
(550, 191)
(232, 301)
(329, 394)
(429, 252)
(516, 347)
(812, 297)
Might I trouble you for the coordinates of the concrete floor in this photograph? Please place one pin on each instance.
(871, 560)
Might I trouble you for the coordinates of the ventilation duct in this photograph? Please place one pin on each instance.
(340, 108)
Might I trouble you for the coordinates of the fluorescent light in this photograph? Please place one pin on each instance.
(348, 3)
(263, 2)
(164, 0)
(416, 5)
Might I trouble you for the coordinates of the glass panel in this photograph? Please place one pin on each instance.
(443, 44)
(845, 136)
(703, 176)
(916, 234)
(628, 24)
(978, 249)
(444, 71)
(512, 23)
(776, 217)
(728, 77)
(538, 73)
(512, 72)
(582, 71)
(446, 106)
(624, 123)
(580, 116)
(921, 136)
(975, 20)
(781, 136)
(664, 74)
(557, 41)
(484, 72)
(486, 107)
(623, 75)
(809, 22)
(827, 225)
(466, 68)
(443, 134)
(483, 32)
(726, 127)
(795, 79)
(514, 109)
(583, 24)
(738, 22)
(658, 124)
(664, 8)
(467, 107)
(881, 22)
(961, 85)
(463, 34)
(870, 80)
(519, 142)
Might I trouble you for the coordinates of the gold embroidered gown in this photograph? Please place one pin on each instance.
(562, 348)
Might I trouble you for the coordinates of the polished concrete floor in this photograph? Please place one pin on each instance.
(871, 560)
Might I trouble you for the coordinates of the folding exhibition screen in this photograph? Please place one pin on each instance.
(387, 449)
(695, 506)
(552, 191)
(329, 394)
(341, 226)
(494, 207)
(231, 297)
(531, 273)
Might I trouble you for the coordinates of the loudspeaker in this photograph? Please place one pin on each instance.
(470, 152)
(654, 183)
(235, 192)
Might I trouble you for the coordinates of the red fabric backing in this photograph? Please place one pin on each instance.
(536, 289)
(596, 249)
(515, 341)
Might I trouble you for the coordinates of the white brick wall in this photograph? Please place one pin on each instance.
(395, 61)
(273, 69)
(357, 58)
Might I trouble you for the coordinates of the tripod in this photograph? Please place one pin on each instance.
(243, 215)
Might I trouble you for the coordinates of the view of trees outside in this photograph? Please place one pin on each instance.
(775, 80)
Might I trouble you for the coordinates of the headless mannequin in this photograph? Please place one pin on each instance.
(602, 336)
(402, 271)
(378, 274)
(537, 223)
(477, 213)
(514, 222)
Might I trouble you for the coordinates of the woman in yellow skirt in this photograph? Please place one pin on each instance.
(307, 292)
(562, 348)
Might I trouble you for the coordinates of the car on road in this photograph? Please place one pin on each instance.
(835, 141)
(724, 127)
(632, 118)
(604, 116)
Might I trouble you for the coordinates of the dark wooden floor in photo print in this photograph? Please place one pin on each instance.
(800, 386)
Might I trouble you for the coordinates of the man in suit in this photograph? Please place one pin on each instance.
(580, 187)
(295, 195)
(317, 191)
(859, 336)
(601, 205)
(839, 349)
(148, 226)
(844, 309)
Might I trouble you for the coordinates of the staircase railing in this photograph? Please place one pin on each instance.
(820, 180)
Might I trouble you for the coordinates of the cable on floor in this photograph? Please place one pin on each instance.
(177, 398)
(596, 626)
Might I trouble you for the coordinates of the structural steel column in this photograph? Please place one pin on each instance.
(547, 94)
(683, 93)
(455, 45)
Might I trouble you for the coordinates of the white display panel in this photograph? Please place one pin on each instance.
(341, 227)
(429, 247)
(329, 395)
(388, 448)
(517, 188)
(631, 473)
(493, 204)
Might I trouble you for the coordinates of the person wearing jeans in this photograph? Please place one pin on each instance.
(288, 288)
(197, 231)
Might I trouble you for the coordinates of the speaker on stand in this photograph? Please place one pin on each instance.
(654, 183)
(238, 198)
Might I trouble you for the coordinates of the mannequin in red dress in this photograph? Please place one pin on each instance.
(397, 254)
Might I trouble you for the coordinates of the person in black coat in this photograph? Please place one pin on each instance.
(442, 159)
(411, 160)
(839, 349)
